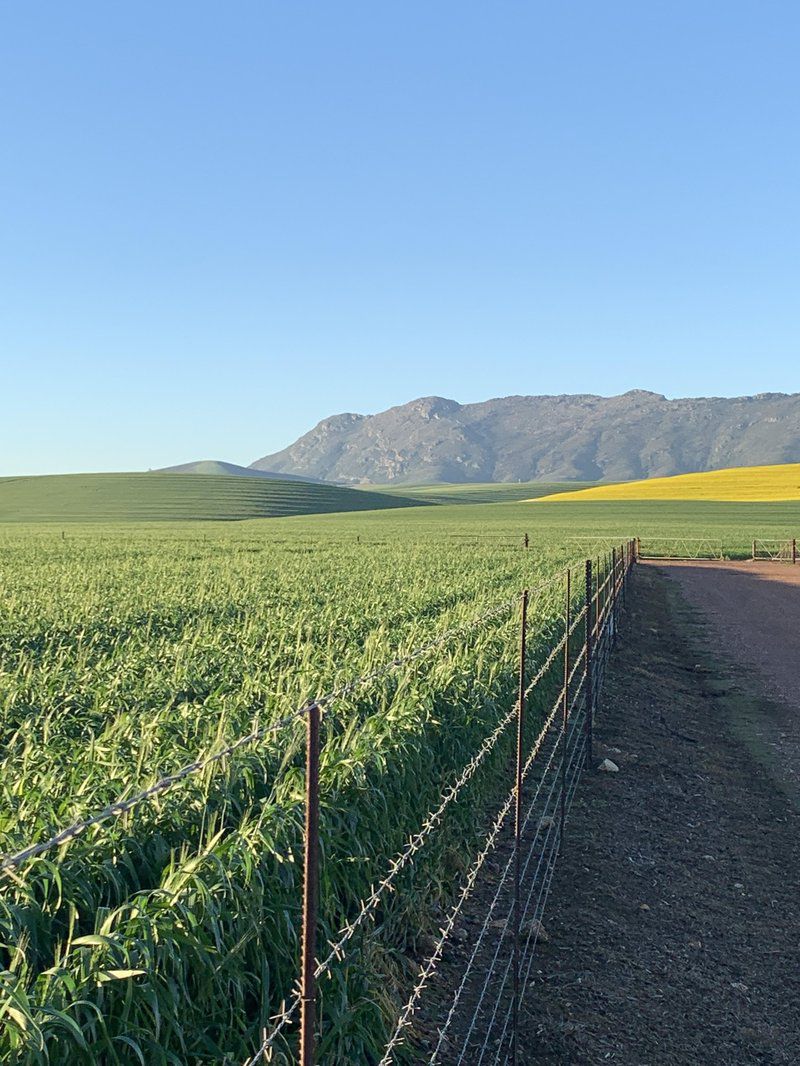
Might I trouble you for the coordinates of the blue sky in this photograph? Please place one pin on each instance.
(221, 223)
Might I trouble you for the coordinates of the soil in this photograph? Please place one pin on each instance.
(675, 911)
(751, 616)
(672, 928)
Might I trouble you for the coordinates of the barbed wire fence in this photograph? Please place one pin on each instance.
(554, 761)
(528, 829)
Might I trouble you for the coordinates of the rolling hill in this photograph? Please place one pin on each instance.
(170, 497)
(546, 438)
(749, 484)
(218, 466)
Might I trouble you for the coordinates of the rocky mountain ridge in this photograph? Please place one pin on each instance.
(554, 438)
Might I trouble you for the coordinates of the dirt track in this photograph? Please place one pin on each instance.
(752, 619)
(674, 916)
(754, 610)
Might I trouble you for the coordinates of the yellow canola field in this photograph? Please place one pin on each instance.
(743, 484)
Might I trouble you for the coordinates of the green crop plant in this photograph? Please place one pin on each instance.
(170, 935)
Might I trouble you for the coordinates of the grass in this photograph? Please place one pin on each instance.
(505, 492)
(174, 497)
(745, 484)
(126, 649)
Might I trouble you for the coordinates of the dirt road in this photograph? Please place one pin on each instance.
(751, 616)
(674, 916)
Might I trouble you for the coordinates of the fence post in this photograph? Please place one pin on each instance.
(613, 584)
(754, 549)
(794, 550)
(518, 831)
(565, 712)
(308, 984)
(623, 573)
(638, 549)
(589, 664)
(598, 615)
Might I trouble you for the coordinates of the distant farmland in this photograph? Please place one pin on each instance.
(175, 497)
(488, 492)
(744, 484)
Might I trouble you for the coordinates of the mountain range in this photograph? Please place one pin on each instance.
(638, 434)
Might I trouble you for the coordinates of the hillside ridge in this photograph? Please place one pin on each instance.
(582, 437)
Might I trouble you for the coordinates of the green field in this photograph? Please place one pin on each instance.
(504, 492)
(170, 935)
(174, 497)
(169, 497)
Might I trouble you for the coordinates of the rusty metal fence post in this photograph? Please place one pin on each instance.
(518, 830)
(623, 573)
(794, 550)
(589, 664)
(308, 985)
(565, 707)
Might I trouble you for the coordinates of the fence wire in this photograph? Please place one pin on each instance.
(575, 752)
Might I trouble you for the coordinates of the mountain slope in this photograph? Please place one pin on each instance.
(748, 484)
(546, 438)
(172, 497)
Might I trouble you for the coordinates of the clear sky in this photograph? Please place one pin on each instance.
(220, 223)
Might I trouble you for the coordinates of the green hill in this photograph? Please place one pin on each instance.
(217, 466)
(172, 497)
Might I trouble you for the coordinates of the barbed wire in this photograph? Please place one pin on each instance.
(289, 1009)
(466, 890)
(535, 923)
(554, 830)
(414, 844)
(576, 720)
(575, 725)
(603, 637)
(501, 883)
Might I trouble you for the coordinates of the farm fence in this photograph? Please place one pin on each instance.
(528, 832)
(477, 1017)
(696, 548)
(778, 551)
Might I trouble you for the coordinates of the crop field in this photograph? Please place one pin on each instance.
(169, 934)
(742, 484)
(492, 492)
(174, 497)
